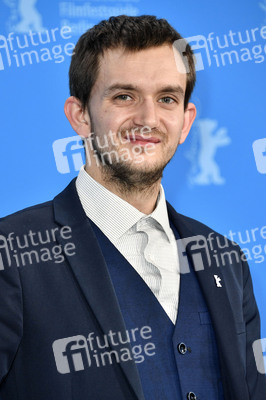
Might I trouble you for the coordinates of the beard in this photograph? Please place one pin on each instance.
(126, 175)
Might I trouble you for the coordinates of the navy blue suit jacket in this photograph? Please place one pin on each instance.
(45, 298)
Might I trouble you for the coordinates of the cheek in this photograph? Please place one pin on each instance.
(174, 118)
(103, 120)
(173, 133)
(103, 125)
(174, 127)
(112, 120)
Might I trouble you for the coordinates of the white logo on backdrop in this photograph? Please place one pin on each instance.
(262, 5)
(259, 149)
(23, 16)
(205, 143)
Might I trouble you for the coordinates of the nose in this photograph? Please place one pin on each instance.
(147, 114)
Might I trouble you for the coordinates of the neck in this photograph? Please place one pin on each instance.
(142, 198)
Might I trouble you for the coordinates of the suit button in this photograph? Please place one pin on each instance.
(191, 396)
(182, 348)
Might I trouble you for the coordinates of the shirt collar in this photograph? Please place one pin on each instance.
(113, 215)
(160, 214)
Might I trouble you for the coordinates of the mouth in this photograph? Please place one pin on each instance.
(138, 139)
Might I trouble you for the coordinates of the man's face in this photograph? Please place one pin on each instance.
(133, 90)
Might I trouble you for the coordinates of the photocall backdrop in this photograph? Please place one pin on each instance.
(218, 175)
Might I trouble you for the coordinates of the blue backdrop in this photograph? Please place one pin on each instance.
(218, 175)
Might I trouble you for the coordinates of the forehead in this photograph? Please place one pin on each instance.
(146, 69)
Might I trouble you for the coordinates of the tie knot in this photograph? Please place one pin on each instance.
(144, 224)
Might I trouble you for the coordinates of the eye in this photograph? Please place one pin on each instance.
(167, 100)
(123, 97)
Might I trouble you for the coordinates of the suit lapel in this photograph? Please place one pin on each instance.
(220, 309)
(91, 273)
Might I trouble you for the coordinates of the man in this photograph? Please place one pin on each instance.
(106, 291)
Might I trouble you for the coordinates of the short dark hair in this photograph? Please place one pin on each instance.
(131, 33)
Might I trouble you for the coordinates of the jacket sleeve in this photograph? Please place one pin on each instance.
(256, 381)
(11, 314)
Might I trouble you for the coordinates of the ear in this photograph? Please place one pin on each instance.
(78, 118)
(189, 117)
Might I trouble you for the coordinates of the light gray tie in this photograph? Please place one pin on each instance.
(161, 255)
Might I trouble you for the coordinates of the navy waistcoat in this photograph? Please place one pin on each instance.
(179, 361)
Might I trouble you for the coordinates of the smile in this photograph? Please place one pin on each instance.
(142, 140)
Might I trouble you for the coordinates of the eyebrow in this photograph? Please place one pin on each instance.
(176, 89)
(118, 86)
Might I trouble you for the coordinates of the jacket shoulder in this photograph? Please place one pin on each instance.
(26, 218)
(197, 226)
(190, 224)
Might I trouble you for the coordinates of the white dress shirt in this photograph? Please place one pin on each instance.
(146, 241)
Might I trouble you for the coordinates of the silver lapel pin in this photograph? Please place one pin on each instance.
(217, 280)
